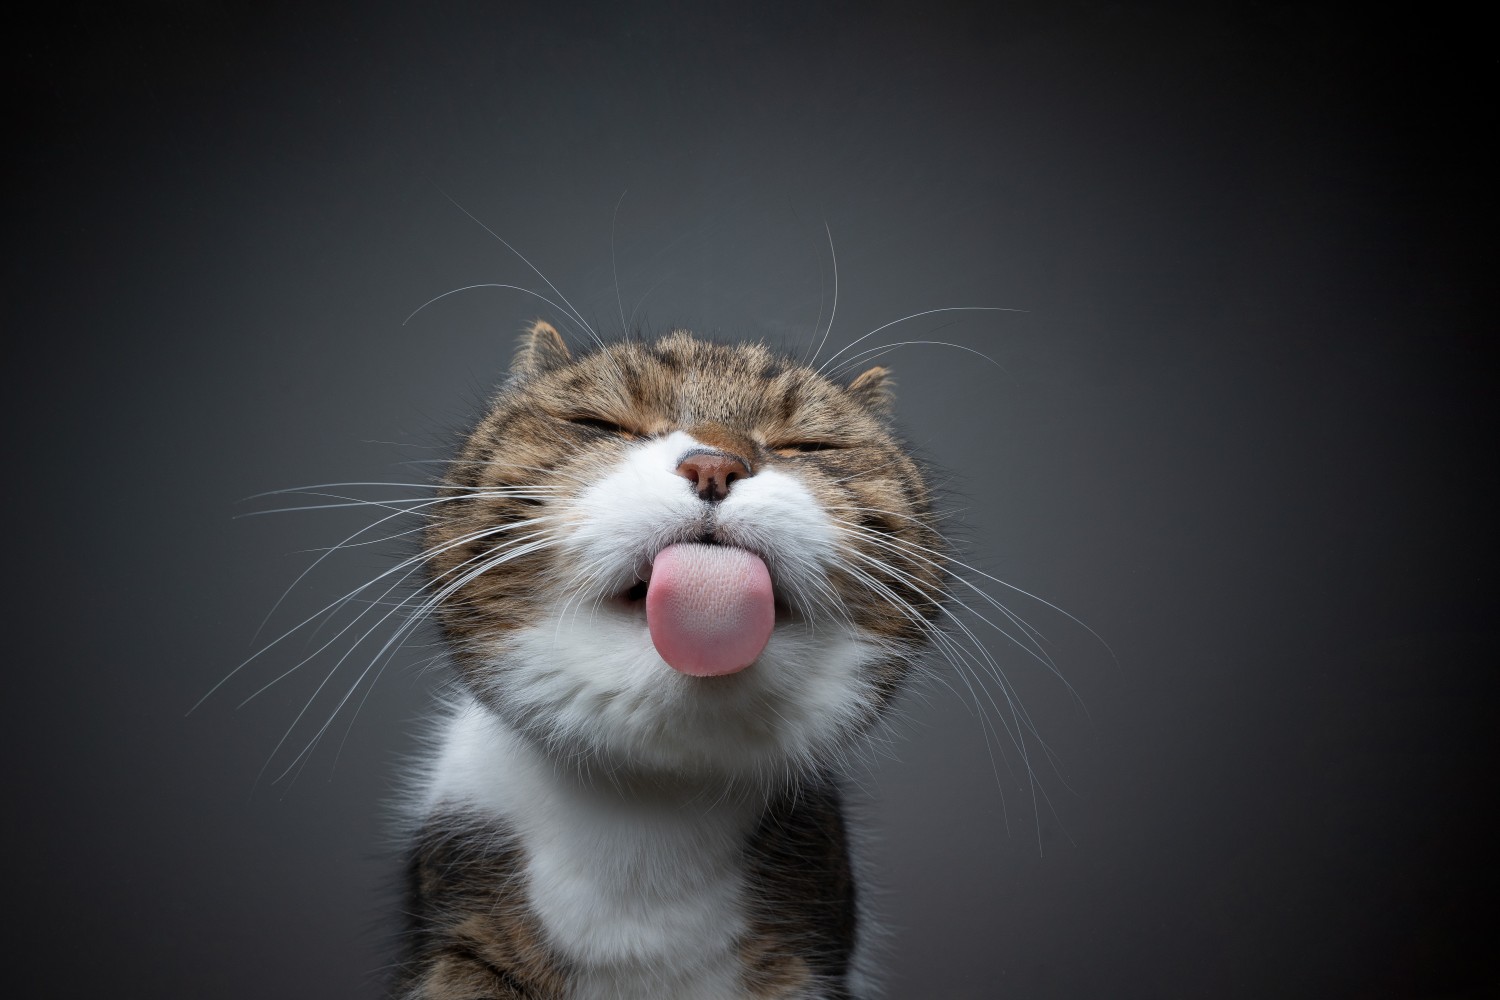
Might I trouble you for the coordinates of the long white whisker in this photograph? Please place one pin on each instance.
(835, 310)
(916, 315)
(483, 284)
(349, 485)
(409, 564)
(576, 314)
(1033, 650)
(416, 563)
(947, 559)
(630, 324)
(849, 363)
(314, 565)
(614, 265)
(410, 503)
(955, 654)
(1022, 722)
(392, 644)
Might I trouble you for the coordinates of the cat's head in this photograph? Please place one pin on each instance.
(685, 556)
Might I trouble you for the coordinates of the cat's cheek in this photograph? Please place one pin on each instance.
(629, 511)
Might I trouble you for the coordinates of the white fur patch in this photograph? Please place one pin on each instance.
(640, 889)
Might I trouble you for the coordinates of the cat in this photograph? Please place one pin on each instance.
(680, 582)
(681, 585)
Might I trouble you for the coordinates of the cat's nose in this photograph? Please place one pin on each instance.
(712, 472)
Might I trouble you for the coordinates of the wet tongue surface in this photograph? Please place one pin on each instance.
(709, 608)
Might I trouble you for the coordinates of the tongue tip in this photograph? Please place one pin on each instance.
(695, 668)
(709, 608)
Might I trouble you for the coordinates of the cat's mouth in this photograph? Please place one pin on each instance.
(632, 599)
(710, 609)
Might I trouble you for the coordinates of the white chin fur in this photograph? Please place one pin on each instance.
(592, 682)
(587, 678)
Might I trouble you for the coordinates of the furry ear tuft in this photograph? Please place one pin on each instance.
(876, 389)
(540, 349)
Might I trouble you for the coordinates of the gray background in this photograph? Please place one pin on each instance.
(1239, 432)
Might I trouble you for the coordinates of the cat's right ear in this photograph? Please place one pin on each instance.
(876, 389)
(540, 349)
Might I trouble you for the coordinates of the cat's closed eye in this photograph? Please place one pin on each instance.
(791, 448)
(602, 425)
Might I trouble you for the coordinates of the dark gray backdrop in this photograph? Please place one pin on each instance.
(1238, 431)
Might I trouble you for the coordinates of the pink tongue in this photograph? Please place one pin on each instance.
(709, 608)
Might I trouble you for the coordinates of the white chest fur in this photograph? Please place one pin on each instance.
(626, 884)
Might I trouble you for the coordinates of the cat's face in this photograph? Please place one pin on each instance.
(584, 471)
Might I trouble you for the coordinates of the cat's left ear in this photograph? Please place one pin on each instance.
(541, 349)
(876, 389)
